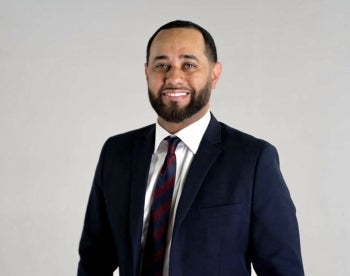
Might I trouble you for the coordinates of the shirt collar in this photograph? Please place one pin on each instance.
(190, 135)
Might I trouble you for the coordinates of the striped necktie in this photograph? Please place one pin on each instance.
(154, 250)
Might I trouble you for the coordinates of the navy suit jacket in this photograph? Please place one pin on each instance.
(235, 209)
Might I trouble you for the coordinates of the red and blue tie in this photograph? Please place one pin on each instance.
(154, 250)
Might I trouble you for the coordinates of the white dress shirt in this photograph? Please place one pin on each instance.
(191, 137)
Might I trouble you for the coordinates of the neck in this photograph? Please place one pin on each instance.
(176, 127)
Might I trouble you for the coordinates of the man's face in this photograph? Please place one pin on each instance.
(179, 74)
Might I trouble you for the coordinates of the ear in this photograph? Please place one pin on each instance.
(146, 73)
(215, 74)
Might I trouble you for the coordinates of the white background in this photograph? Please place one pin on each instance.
(71, 75)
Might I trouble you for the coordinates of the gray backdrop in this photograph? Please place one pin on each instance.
(71, 75)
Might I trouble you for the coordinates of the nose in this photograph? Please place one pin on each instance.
(174, 76)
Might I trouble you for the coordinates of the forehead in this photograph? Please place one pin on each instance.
(178, 40)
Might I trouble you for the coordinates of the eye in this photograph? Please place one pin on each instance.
(162, 67)
(189, 66)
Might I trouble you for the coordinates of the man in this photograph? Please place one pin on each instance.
(227, 204)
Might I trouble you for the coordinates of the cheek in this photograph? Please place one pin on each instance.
(197, 82)
(154, 81)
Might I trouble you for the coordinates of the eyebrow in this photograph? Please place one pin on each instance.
(184, 56)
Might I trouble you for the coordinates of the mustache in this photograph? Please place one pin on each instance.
(175, 87)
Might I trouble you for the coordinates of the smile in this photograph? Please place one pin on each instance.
(175, 94)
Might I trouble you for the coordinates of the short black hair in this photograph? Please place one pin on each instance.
(208, 39)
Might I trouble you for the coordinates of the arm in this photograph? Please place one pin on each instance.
(274, 230)
(97, 252)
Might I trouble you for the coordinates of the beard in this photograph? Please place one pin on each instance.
(176, 114)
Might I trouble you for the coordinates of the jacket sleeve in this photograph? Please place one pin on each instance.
(96, 249)
(275, 238)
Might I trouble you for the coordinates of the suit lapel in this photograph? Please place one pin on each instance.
(141, 156)
(205, 157)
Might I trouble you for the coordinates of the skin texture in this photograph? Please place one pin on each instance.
(179, 73)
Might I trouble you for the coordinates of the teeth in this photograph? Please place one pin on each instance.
(176, 94)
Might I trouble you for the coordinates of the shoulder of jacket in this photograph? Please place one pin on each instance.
(235, 136)
(128, 138)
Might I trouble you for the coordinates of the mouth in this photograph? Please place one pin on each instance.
(174, 95)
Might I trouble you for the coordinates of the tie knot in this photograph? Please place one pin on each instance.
(172, 144)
